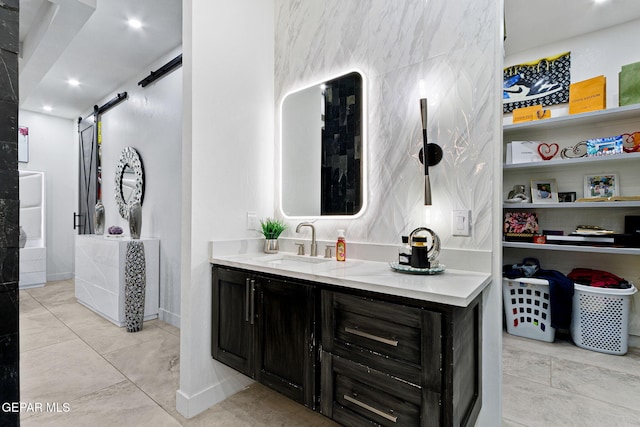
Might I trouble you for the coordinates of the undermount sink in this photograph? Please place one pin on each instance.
(290, 259)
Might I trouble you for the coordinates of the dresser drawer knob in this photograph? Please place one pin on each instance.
(371, 336)
(371, 409)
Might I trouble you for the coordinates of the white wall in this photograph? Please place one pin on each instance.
(53, 150)
(452, 46)
(150, 120)
(227, 167)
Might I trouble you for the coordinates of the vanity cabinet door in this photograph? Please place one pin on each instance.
(285, 348)
(232, 321)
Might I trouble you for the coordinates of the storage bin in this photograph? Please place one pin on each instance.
(526, 307)
(600, 318)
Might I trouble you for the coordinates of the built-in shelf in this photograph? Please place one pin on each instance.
(592, 118)
(624, 157)
(572, 248)
(573, 205)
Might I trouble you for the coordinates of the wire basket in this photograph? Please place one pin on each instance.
(600, 318)
(526, 308)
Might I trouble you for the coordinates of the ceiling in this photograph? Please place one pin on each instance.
(531, 23)
(91, 42)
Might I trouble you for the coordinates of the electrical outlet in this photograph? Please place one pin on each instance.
(460, 223)
(252, 221)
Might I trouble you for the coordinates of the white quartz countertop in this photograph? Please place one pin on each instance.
(453, 287)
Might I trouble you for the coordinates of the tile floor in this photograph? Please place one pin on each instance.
(96, 374)
(108, 377)
(559, 384)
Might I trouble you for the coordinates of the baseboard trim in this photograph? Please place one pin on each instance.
(190, 406)
(169, 317)
(59, 276)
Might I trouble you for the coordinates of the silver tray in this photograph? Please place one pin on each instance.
(401, 268)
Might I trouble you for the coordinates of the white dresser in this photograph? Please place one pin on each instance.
(99, 275)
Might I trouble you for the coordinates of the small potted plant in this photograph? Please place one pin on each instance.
(271, 229)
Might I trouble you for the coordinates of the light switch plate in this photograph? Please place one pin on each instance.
(252, 221)
(460, 223)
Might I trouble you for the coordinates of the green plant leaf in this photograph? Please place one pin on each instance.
(272, 228)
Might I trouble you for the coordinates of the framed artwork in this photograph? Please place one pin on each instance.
(542, 82)
(601, 185)
(544, 191)
(520, 226)
(23, 144)
(567, 197)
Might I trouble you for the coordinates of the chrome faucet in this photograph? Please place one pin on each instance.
(314, 246)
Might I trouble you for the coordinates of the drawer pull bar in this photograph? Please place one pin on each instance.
(370, 408)
(371, 336)
(247, 295)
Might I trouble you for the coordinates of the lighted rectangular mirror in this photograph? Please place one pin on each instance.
(322, 149)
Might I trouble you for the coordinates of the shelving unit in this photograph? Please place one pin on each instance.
(575, 205)
(569, 173)
(573, 248)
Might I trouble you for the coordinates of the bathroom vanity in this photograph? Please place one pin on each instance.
(355, 341)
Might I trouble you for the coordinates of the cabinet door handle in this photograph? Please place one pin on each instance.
(371, 336)
(370, 408)
(253, 300)
(246, 300)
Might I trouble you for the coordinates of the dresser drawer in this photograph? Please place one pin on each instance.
(358, 395)
(390, 337)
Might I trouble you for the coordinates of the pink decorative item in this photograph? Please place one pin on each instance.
(548, 151)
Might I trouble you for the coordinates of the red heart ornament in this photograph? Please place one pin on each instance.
(547, 151)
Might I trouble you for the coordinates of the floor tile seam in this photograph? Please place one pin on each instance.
(577, 393)
(48, 345)
(609, 367)
(168, 335)
(129, 378)
(573, 359)
(511, 420)
(134, 383)
(71, 328)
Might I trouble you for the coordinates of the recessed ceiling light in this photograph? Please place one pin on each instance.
(47, 108)
(134, 23)
(73, 82)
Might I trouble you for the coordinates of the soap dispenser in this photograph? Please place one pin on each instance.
(404, 252)
(341, 247)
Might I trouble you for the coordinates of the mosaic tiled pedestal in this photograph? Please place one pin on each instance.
(135, 277)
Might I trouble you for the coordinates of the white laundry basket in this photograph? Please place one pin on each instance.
(600, 318)
(527, 309)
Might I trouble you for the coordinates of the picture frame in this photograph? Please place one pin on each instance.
(601, 185)
(23, 144)
(567, 197)
(544, 190)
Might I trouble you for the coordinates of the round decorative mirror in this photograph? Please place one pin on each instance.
(129, 180)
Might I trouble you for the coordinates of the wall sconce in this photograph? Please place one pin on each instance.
(430, 154)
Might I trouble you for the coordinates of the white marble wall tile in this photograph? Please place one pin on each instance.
(395, 34)
(346, 30)
(299, 43)
(395, 56)
(454, 24)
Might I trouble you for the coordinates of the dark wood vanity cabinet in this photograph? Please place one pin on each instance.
(383, 360)
(392, 363)
(264, 327)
